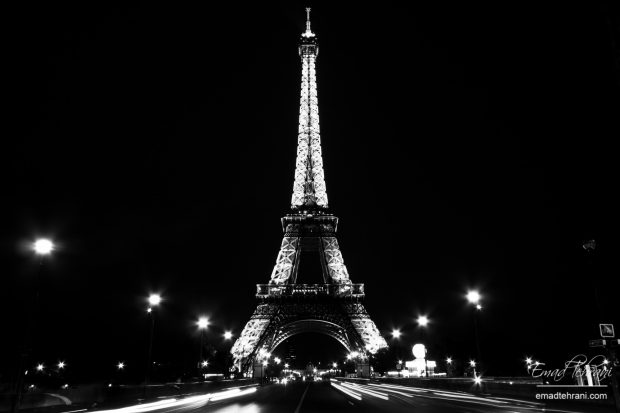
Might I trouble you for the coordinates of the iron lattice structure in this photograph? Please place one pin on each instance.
(286, 307)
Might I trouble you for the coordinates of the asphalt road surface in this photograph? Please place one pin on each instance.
(338, 396)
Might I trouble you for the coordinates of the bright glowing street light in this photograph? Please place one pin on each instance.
(528, 360)
(473, 297)
(40, 367)
(335, 365)
(472, 363)
(61, 365)
(228, 335)
(204, 363)
(396, 333)
(120, 365)
(449, 360)
(203, 322)
(422, 320)
(154, 299)
(286, 365)
(277, 360)
(478, 380)
(478, 307)
(43, 246)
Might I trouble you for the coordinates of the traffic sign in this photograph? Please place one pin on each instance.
(607, 330)
(598, 343)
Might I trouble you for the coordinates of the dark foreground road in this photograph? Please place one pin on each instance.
(339, 396)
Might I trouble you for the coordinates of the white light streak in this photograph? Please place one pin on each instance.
(350, 393)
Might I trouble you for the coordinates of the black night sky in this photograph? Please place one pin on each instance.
(465, 146)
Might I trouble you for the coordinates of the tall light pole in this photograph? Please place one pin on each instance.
(202, 323)
(42, 248)
(423, 321)
(154, 300)
(474, 297)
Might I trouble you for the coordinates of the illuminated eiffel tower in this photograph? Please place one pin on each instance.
(286, 308)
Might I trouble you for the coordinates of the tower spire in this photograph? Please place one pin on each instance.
(309, 187)
(308, 21)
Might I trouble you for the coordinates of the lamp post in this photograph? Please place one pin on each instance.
(154, 300)
(474, 297)
(423, 323)
(42, 248)
(202, 323)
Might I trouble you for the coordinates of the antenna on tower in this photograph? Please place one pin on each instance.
(308, 19)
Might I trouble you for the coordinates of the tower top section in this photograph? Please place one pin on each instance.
(309, 192)
(308, 44)
(308, 32)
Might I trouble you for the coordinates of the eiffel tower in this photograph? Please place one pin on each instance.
(285, 307)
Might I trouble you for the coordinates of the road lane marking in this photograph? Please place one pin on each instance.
(302, 399)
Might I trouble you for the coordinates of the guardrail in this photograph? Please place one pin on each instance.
(304, 290)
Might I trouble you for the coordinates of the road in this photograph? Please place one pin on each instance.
(338, 396)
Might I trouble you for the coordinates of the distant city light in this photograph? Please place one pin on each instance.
(61, 364)
(264, 363)
(473, 297)
(228, 335)
(277, 360)
(154, 299)
(478, 307)
(43, 246)
(449, 360)
(120, 365)
(204, 363)
(396, 333)
(149, 310)
(478, 380)
(335, 365)
(423, 320)
(605, 361)
(472, 363)
(286, 365)
(528, 360)
(203, 322)
(40, 367)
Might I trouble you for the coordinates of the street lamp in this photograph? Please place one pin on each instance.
(61, 365)
(474, 297)
(154, 300)
(120, 365)
(396, 333)
(43, 246)
(40, 367)
(228, 335)
(202, 323)
(423, 323)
